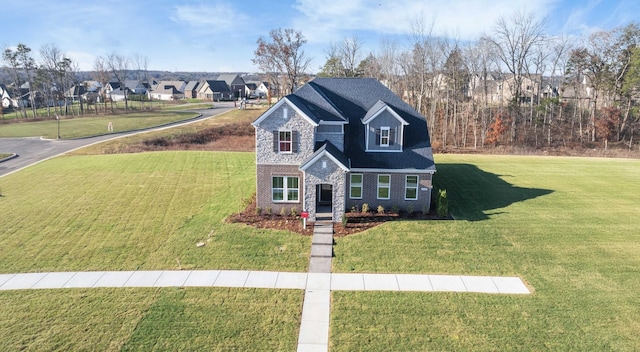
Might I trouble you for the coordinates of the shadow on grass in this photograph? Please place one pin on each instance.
(473, 192)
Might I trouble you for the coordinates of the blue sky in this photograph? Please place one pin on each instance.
(220, 35)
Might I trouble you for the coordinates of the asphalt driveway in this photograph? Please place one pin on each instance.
(33, 150)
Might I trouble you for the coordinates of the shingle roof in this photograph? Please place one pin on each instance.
(327, 148)
(352, 98)
(218, 86)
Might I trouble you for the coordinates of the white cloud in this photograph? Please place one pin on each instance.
(463, 19)
(217, 17)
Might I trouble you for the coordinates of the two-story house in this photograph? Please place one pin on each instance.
(342, 142)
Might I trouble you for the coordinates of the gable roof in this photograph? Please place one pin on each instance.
(329, 150)
(377, 109)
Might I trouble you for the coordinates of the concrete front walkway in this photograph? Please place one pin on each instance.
(317, 283)
(264, 279)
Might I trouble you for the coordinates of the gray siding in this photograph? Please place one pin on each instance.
(336, 139)
(370, 191)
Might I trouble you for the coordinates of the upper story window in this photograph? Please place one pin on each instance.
(384, 136)
(322, 128)
(285, 141)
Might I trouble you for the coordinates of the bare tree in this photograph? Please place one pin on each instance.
(119, 67)
(102, 75)
(282, 53)
(350, 55)
(514, 40)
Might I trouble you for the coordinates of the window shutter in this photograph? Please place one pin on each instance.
(392, 136)
(294, 141)
(276, 148)
(377, 136)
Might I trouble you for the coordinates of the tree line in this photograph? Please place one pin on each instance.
(555, 91)
(49, 81)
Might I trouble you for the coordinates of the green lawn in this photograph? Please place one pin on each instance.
(4, 155)
(138, 212)
(91, 125)
(168, 319)
(567, 226)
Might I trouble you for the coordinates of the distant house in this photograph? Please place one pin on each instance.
(5, 96)
(214, 90)
(167, 90)
(258, 89)
(236, 84)
(340, 143)
(191, 89)
(135, 86)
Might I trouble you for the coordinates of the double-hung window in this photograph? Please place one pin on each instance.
(284, 189)
(411, 187)
(355, 190)
(384, 136)
(384, 186)
(285, 141)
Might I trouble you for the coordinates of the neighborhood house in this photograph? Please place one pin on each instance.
(340, 143)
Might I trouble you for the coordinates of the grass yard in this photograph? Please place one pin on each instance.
(121, 144)
(168, 319)
(91, 125)
(567, 226)
(138, 212)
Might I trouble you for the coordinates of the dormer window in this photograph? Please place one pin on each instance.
(384, 136)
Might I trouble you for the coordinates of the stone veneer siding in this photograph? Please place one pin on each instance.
(276, 121)
(333, 175)
(370, 191)
(263, 189)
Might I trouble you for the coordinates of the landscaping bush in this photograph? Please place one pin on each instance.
(345, 220)
(380, 209)
(442, 205)
(365, 208)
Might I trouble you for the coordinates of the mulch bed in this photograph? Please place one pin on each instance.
(356, 221)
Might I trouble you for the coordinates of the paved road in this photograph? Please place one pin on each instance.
(33, 150)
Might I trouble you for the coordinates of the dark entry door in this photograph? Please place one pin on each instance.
(324, 193)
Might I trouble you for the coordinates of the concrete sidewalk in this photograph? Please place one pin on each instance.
(265, 279)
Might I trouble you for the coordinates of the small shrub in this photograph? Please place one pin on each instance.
(267, 210)
(345, 220)
(395, 209)
(258, 210)
(355, 208)
(410, 209)
(442, 205)
(380, 209)
(365, 208)
(294, 212)
(283, 211)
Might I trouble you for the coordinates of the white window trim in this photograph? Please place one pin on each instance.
(406, 186)
(290, 142)
(388, 130)
(388, 186)
(360, 185)
(285, 190)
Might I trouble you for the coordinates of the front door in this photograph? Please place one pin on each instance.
(324, 194)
